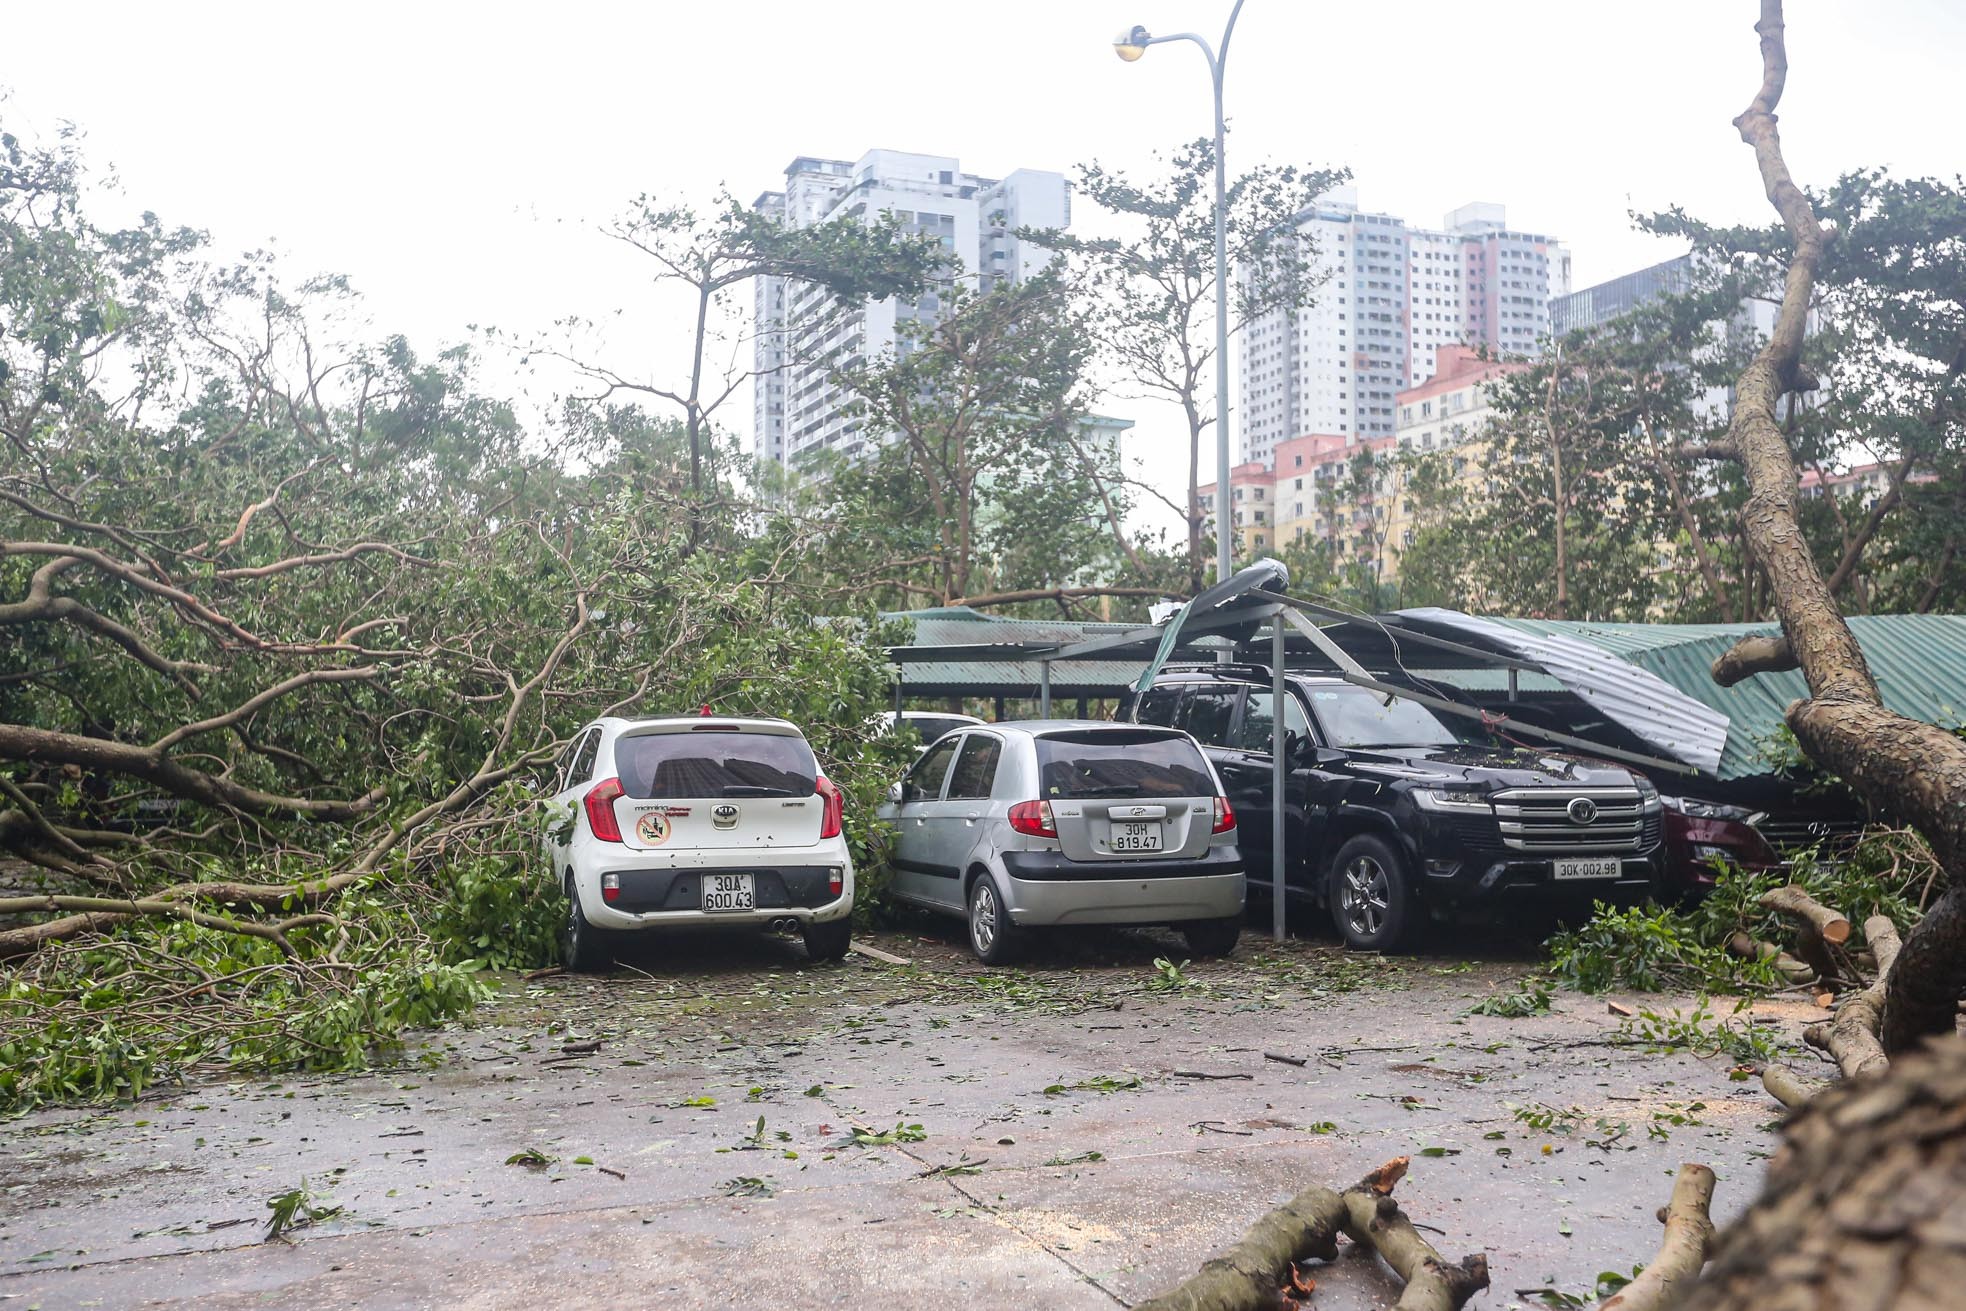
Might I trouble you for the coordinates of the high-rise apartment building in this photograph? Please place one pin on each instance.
(804, 333)
(1394, 294)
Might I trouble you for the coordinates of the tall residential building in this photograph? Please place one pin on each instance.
(1393, 296)
(804, 333)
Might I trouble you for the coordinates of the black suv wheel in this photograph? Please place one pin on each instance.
(1371, 900)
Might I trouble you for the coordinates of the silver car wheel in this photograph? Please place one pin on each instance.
(1365, 896)
(983, 917)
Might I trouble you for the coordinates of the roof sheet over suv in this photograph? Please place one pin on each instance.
(1650, 707)
(1919, 662)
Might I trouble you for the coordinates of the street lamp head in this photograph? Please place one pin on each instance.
(1131, 44)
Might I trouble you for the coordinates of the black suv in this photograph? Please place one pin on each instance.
(1388, 809)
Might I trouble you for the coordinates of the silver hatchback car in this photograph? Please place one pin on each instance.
(1062, 822)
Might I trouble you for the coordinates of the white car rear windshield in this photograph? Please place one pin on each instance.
(712, 763)
(1121, 763)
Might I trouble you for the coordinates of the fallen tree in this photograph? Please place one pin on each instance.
(1915, 770)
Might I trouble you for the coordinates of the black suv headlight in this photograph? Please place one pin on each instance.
(1460, 803)
(1649, 799)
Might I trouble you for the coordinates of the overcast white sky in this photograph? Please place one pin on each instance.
(452, 159)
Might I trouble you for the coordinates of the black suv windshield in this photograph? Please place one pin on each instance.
(712, 763)
(1121, 763)
(1358, 717)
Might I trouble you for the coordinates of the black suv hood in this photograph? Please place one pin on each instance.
(1489, 767)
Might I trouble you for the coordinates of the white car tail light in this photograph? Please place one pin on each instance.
(834, 813)
(600, 809)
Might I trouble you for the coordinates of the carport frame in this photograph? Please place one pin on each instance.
(1248, 603)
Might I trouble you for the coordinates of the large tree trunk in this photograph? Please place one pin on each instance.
(1915, 770)
(1864, 1204)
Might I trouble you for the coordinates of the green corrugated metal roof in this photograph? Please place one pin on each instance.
(962, 626)
(1919, 662)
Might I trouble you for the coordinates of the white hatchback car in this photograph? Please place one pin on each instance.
(696, 823)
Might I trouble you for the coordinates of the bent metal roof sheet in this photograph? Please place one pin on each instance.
(1919, 662)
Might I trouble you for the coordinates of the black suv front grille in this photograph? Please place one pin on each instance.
(1558, 820)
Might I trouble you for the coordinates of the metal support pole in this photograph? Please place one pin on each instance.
(1044, 689)
(1513, 684)
(900, 672)
(1279, 779)
(1224, 526)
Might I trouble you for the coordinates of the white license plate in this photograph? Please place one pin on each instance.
(728, 892)
(1602, 868)
(1136, 837)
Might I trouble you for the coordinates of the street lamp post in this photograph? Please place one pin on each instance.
(1130, 45)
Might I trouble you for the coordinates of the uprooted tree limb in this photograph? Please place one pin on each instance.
(1252, 1275)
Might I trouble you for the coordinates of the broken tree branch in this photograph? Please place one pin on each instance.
(1751, 656)
(1788, 1087)
(1787, 966)
(1853, 1033)
(1689, 1238)
(104, 911)
(1249, 1275)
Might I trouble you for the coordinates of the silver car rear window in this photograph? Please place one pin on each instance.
(1121, 763)
(713, 763)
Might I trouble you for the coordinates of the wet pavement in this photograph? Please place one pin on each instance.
(1081, 1132)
